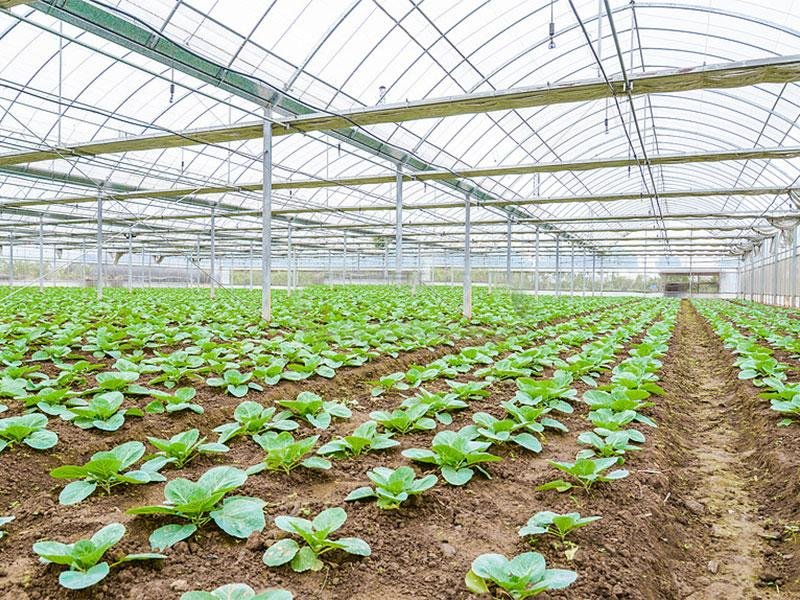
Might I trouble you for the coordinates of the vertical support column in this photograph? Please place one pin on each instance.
(344, 260)
(99, 244)
(691, 273)
(419, 263)
(398, 227)
(594, 273)
(83, 263)
(144, 269)
(289, 258)
(572, 269)
(508, 252)
(330, 268)
(198, 273)
(41, 253)
(644, 284)
(386, 261)
(188, 260)
(776, 246)
(752, 274)
(130, 264)
(602, 275)
(467, 308)
(536, 266)
(250, 266)
(795, 247)
(558, 266)
(11, 261)
(212, 267)
(266, 220)
(583, 271)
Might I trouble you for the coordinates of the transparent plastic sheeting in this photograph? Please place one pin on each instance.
(64, 81)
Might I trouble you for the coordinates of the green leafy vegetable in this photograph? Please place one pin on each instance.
(393, 486)
(316, 411)
(30, 429)
(83, 557)
(456, 453)
(250, 418)
(284, 453)
(237, 591)
(203, 501)
(316, 536)
(551, 523)
(183, 447)
(365, 437)
(524, 576)
(107, 469)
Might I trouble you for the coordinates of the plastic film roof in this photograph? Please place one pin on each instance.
(81, 71)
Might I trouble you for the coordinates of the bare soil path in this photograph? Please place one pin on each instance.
(723, 497)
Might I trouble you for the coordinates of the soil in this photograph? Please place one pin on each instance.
(701, 515)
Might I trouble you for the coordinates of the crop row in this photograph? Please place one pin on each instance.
(126, 456)
(755, 361)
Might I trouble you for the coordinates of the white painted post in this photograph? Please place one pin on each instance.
(344, 260)
(398, 226)
(212, 267)
(41, 253)
(795, 247)
(558, 266)
(467, 308)
(572, 269)
(508, 252)
(11, 261)
(266, 220)
(250, 266)
(289, 258)
(130, 263)
(99, 244)
(536, 266)
(602, 275)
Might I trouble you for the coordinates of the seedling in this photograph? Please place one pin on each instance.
(250, 418)
(203, 501)
(551, 523)
(437, 405)
(30, 429)
(181, 399)
(471, 390)
(316, 411)
(183, 447)
(555, 393)
(524, 576)
(3, 522)
(586, 471)
(404, 420)
(392, 486)
(237, 591)
(235, 383)
(456, 453)
(609, 443)
(365, 437)
(83, 557)
(395, 381)
(108, 469)
(502, 431)
(315, 534)
(284, 453)
(101, 412)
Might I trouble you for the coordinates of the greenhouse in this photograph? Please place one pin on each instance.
(399, 300)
